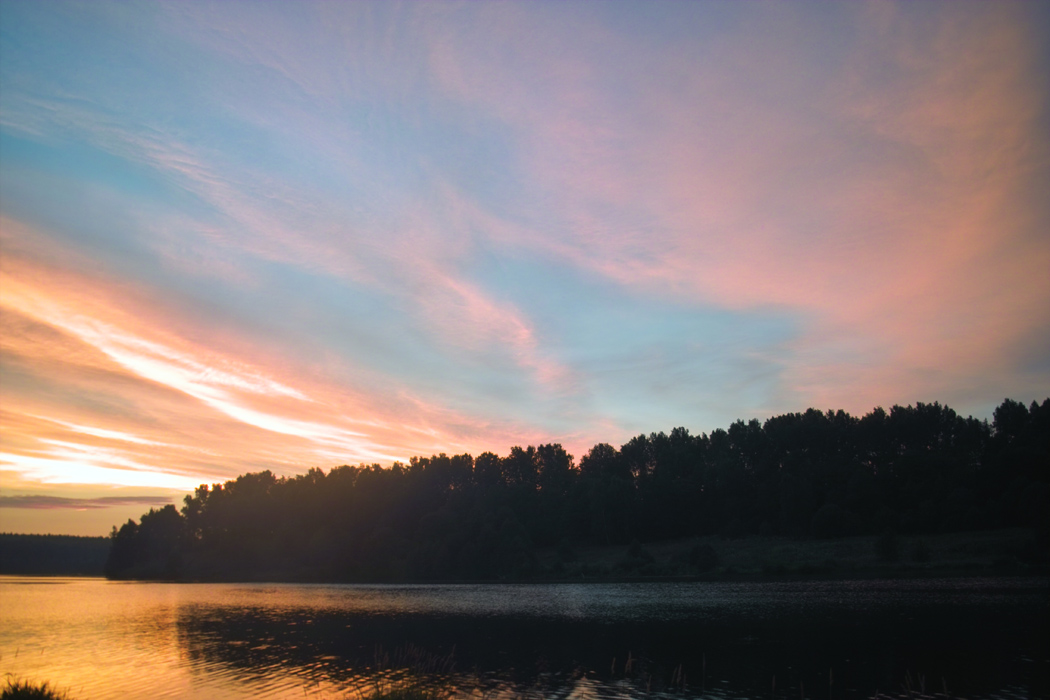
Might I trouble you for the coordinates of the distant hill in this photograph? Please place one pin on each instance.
(52, 555)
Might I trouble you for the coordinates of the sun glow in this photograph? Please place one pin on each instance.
(76, 464)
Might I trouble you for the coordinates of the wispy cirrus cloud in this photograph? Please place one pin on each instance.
(208, 405)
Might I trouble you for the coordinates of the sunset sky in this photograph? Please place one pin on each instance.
(241, 236)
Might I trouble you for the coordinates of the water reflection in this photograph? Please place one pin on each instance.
(985, 638)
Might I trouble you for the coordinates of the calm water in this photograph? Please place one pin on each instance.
(979, 638)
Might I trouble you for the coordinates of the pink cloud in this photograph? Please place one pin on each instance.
(885, 199)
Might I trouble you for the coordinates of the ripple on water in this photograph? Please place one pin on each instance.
(728, 640)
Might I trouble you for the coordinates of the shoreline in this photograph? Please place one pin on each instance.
(1003, 553)
(788, 577)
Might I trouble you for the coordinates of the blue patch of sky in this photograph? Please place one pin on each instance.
(81, 161)
(400, 158)
(647, 362)
(479, 156)
(1039, 24)
(91, 203)
(665, 22)
(81, 217)
(142, 79)
(66, 50)
(323, 314)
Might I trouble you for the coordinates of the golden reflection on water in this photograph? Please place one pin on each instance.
(104, 640)
(101, 639)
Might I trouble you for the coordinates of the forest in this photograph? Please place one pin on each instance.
(52, 555)
(912, 470)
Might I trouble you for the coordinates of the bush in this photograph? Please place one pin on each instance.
(565, 551)
(887, 547)
(920, 552)
(408, 693)
(637, 559)
(24, 690)
(832, 521)
(773, 568)
(703, 558)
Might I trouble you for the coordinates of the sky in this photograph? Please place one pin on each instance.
(238, 236)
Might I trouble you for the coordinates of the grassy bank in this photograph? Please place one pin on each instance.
(1002, 552)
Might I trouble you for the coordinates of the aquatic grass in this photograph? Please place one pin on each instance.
(406, 690)
(27, 690)
(407, 693)
(412, 672)
(416, 659)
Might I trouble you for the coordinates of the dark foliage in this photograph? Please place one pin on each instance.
(25, 690)
(52, 555)
(888, 546)
(703, 558)
(911, 471)
(921, 553)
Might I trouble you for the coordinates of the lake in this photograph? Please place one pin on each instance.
(975, 638)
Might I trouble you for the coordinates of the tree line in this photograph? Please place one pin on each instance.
(52, 555)
(911, 470)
